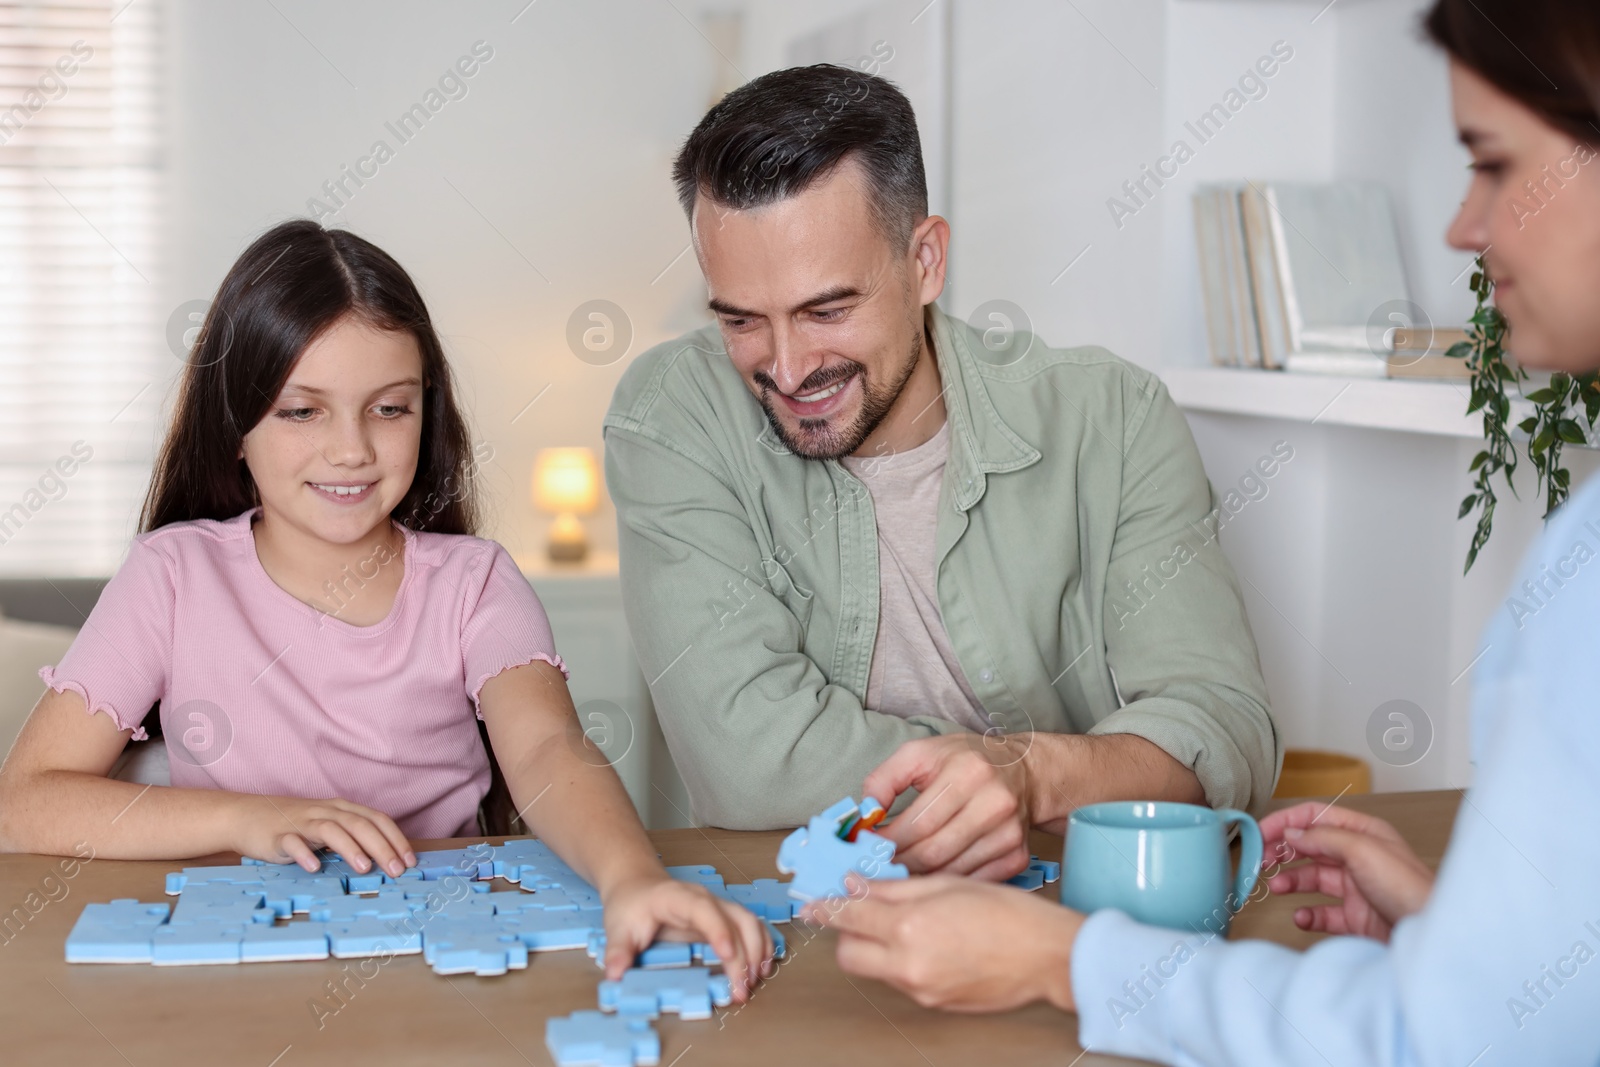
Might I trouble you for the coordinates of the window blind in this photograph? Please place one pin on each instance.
(84, 363)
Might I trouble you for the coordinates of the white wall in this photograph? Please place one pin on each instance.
(563, 144)
(1049, 118)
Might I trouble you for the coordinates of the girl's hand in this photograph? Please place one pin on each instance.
(1358, 858)
(281, 829)
(955, 943)
(655, 907)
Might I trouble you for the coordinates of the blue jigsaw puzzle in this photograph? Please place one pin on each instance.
(118, 932)
(660, 954)
(261, 943)
(819, 859)
(546, 931)
(587, 1038)
(690, 992)
(701, 875)
(256, 912)
(183, 944)
(474, 946)
(769, 898)
(1038, 873)
(704, 953)
(367, 935)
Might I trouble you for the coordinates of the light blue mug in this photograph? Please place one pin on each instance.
(1161, 862)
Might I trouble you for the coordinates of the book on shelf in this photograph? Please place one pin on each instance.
(1419, 352)
(1408, 353)
(1297, 276)
(1224, 272)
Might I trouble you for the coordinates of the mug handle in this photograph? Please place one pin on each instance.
(1250, 854)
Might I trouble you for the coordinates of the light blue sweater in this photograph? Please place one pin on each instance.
(1501, 967)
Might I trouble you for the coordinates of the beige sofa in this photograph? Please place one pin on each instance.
(24, 648)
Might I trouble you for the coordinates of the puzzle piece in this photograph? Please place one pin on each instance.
(185, 944)
(700, 875)
(261, 943)
(819, 859)
(472, 863)
(769, 898)
(545, 931)
(872, 813)
(556, 898)
(688, 991)
(367, 935)
(838, 815)
(238, 874)
(473, 946)
(508, 859)
(428, 901)
(704, 953)
(1038, 873)
(587, 1038)
(370, 882)
(388, 903)
(287, 896)
(222, 902)
(660, 954)
(118, 932)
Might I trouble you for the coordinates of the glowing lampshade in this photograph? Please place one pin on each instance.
(566, 484)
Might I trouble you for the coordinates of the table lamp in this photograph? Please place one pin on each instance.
(566, 484)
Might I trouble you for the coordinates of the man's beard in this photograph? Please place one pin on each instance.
(814, 438)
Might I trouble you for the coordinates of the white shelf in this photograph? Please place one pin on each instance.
(1374, 403)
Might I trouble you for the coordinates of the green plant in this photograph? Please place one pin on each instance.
(1549, 427)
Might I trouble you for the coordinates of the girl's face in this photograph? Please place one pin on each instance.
(1533, 210)
(337, 450)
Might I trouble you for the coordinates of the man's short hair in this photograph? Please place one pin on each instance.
(773, 137)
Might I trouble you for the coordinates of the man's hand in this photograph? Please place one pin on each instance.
(956, 944)
(1358, 858)
(972, 815)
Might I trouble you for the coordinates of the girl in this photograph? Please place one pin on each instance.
(322, 632)
(1494, 962)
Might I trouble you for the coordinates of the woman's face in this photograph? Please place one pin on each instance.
(1533, 210)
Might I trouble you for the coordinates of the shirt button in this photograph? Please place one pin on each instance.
(987, 675)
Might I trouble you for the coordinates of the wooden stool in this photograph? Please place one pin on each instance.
(1308, 773)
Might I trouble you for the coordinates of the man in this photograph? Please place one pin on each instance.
(858, 557)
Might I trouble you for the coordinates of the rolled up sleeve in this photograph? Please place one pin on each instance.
(1178, 641)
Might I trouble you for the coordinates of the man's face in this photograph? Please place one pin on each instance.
(819, 313)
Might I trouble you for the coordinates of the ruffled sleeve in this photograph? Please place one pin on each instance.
(504, 625)
(120, 660)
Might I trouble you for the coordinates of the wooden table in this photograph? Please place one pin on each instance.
(262, 1015)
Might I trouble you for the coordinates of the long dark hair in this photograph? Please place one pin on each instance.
(1550, 63)
(293, 283)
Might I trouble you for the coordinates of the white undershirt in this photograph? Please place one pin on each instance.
(914, 669)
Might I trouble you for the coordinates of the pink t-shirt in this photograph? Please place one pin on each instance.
(263, 693)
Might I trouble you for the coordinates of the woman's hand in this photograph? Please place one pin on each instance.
(1358, 858)
(955, 943)
(284, 829)
(652, 907)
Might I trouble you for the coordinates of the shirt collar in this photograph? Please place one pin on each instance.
(980, 441)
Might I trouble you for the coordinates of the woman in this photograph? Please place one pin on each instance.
(1497, 961)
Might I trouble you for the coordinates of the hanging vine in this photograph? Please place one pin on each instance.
(1551, 425)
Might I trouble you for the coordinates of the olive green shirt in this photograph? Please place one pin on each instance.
(1079, 577)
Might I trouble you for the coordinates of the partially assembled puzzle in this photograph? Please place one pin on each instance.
(443, 909)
